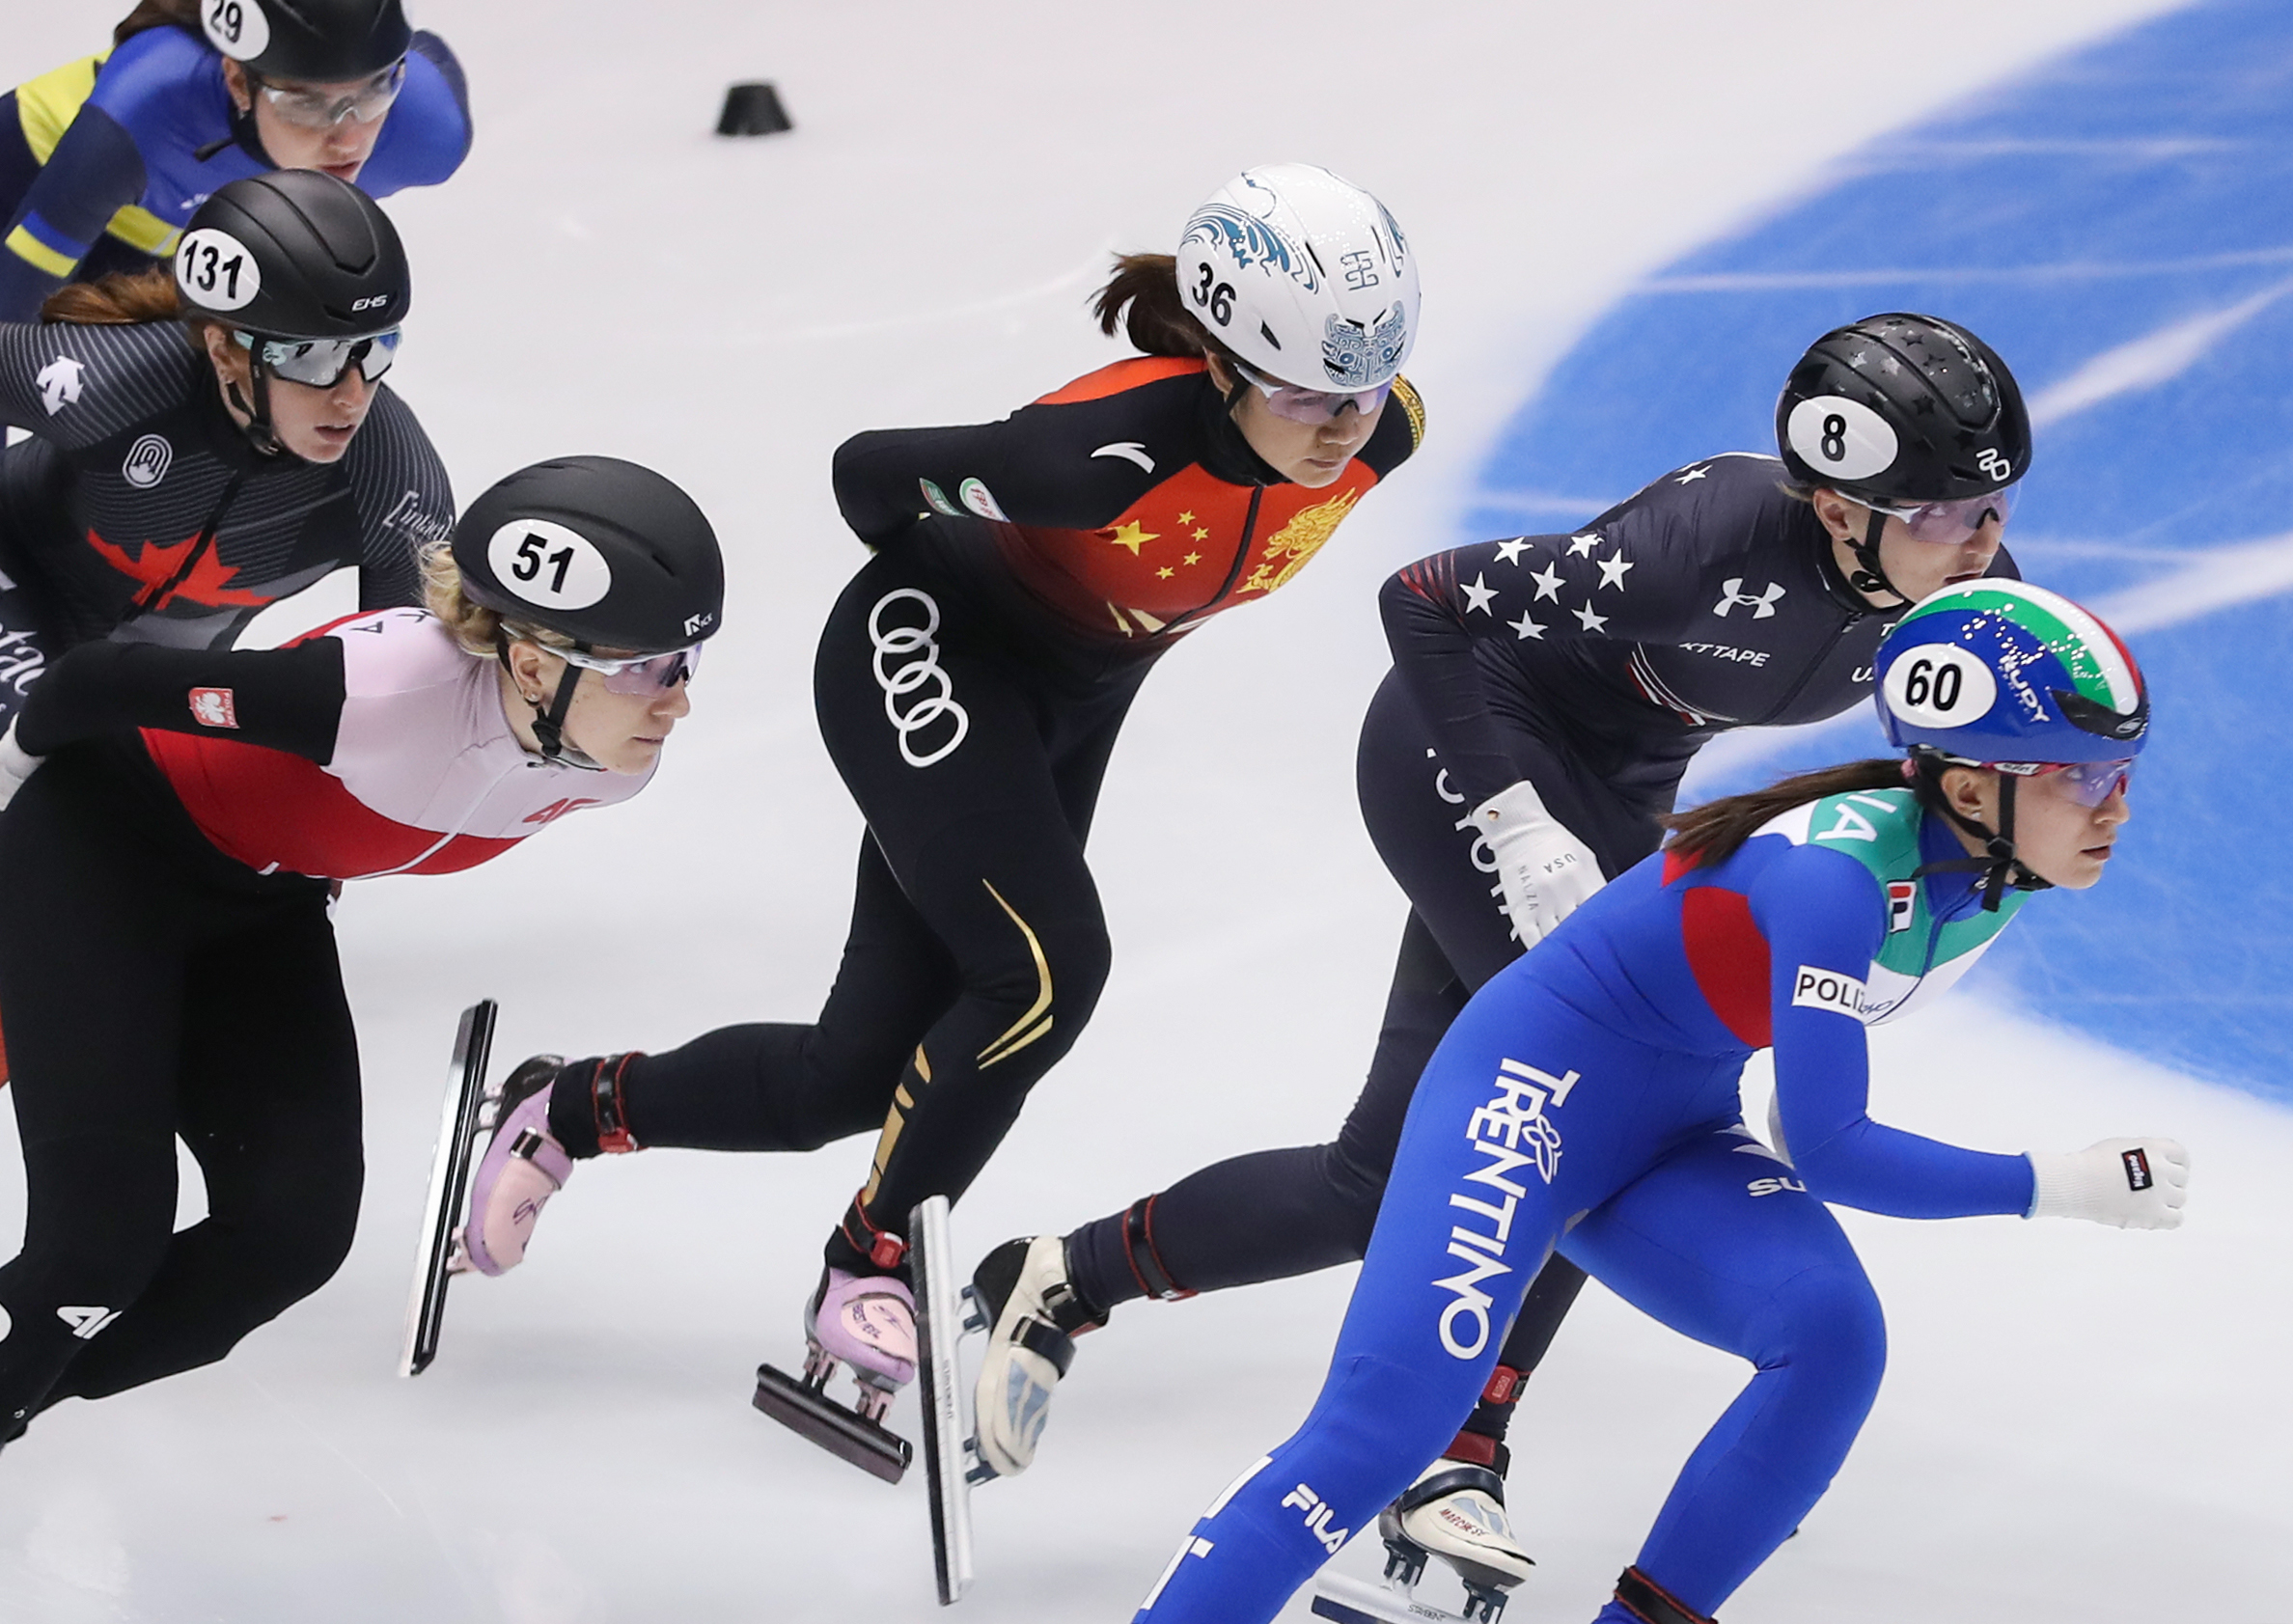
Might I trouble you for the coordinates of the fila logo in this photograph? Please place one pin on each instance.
(1317, 1518)
(212, 708)
(1732, 594)
(2138, 1168)
(1903, 897)
(84, 1322)
(1775, 1186)
(1828, 989)
(559, 809)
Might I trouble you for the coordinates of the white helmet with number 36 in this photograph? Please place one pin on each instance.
(1303, 276)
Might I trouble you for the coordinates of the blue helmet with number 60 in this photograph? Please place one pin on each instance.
(1303, 276)
(614, 555)
(2002, 673)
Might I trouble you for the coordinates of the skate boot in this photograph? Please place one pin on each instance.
(523, 1166)
(1455, 1510)
(868, 1322)
(1034, 1315)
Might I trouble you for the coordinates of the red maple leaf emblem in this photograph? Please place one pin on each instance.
(207, 583)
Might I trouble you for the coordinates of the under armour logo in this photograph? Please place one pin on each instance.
(1762, 607)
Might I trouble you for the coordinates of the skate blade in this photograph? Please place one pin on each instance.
(810, 1413)
(944, 1315)
(1349, 1601)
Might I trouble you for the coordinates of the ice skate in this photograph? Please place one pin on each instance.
(1455, 1510)
(523, 1166)
(868, 1322)
(1034, 1314)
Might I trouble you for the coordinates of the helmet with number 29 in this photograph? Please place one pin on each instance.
(1303, 275)
(2003, 671)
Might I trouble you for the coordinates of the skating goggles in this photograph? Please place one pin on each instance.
(1951, 524)
(322, 107)
(638, 674)
(321, 363)
(2088, 782)
(1313, 405)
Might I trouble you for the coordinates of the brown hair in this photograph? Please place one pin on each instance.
(1711, 833)
(156, 14)
(118, 300)
(477, 629)
(1158, 321)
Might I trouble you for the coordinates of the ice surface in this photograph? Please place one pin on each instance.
(2078, 1423)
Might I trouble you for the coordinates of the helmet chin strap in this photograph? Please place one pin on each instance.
(1998, 865)
(259, 432)
(1868, 575)
(550, 712)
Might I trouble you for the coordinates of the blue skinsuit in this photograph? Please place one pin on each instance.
(1588, 1096)
(116, 142)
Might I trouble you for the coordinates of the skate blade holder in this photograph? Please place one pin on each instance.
(804, 1407)
(1351, 1601)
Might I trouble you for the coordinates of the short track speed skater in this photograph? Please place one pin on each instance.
(440, 1256)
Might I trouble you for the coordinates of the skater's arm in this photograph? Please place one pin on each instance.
(95, 171)
(280, 698)
(427, 133)
(1824, 915)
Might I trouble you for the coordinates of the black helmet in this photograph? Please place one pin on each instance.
(612, 555)
(314, 40)
(1903, 409)
(295, 254)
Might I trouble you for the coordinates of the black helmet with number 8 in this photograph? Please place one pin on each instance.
(322, 40)
(1900, 409)
(295, 254)
(614, 555)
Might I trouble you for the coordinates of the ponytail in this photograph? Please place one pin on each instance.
(1158, 321)
(1711, 834)
(118, 300)
(158, 13)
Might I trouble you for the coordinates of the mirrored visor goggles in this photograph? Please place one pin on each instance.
(637, 673)
(321, 363)
(324, 106)
(2088, 782)
(1951, 524)
(1313, 405)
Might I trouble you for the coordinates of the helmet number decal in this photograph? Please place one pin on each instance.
(216, 271)
(1842, 438)
(237, 28)
(1218, 297)
(1995, 464)
(1941, 685)
(547, 565)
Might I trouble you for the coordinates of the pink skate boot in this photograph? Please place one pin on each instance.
(524, 1166)
(868, 1322)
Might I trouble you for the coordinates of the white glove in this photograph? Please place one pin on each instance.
(16, 765)
(2131, 1183)
(1545, 870)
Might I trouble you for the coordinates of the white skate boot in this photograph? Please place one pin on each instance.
(1455, 1510)
(1034, 1315)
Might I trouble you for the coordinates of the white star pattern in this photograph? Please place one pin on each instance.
(1548, 584)
(1693, 474)
(1611, 570)
(1580, 546)
(1478, 596)
(1590, 622)
(1525, 628)
(1511, 551)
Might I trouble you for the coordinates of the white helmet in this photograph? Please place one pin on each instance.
(1303, 276)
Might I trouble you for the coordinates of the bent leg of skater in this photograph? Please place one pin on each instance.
(1713, 1245)
(269, 1109)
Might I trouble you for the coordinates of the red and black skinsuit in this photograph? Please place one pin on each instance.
(970, 685)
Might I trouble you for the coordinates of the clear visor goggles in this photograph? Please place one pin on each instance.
(636, 674)
(1951, 524)
(324, 106)
(1311, 405)
(2088, 782)
(321, 363)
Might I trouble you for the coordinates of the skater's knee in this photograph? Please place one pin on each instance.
(1358, 1185)
(1826, 1321)
(1048, 974)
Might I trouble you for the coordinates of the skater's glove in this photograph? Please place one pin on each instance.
(16, 764)
(1545, 870)
(2131, 1183)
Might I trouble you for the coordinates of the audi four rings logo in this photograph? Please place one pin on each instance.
(917, 692)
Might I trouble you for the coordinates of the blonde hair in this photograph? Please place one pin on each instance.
(475, 628)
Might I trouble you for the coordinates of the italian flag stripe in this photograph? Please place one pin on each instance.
(2099, 666)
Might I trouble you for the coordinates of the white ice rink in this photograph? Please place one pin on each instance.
(2078, 1423)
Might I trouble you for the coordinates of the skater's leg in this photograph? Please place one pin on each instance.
(1714, 1248)
(270, 1110)
(90, 992)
